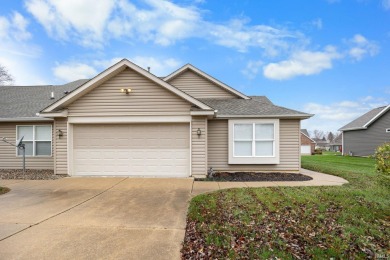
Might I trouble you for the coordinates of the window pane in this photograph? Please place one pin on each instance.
(43, 148)
(26, 131)
(243, 132)
(242, 148)
(264, 148)
(264, 131)
(29, 148)
(43, 133)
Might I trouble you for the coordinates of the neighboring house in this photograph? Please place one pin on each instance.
(337, 144)
(127, 121)
(307, 144)
(364, 134)
(321, 144)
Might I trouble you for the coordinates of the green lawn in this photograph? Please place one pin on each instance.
(351, 221)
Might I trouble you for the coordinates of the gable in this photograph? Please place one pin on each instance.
(146, 97)
(199, 87)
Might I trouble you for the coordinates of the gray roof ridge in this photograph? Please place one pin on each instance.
(361, 121)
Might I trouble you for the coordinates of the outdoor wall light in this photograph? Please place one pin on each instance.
(199, 132)
(60, 133)
(126, 90)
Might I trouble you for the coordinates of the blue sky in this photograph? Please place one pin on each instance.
(326, 57)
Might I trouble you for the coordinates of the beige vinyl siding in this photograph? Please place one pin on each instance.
(289, 148)
(199, 146)
(8, 157)
(145, 98)
(60, 150)
(199, 87)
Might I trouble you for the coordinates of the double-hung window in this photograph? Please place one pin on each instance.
(37, 139)
(254, 141)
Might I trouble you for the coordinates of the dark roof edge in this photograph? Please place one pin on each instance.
(296, 116)
(24, 119)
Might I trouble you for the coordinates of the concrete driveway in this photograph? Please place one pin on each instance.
(94, 218)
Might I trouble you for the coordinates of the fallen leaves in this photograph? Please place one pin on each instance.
(245, 227)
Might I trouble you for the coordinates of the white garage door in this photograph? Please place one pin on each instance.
(134, 149)
(305, 149)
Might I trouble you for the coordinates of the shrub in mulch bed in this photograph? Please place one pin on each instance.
(31, 174)
(256, 176)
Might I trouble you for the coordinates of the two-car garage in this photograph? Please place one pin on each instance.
(144, 149)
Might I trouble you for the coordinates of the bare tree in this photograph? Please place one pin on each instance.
(318, 134)
(5, 77)
(330, 137)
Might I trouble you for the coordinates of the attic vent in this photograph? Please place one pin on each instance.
(66, 92)
(387, 130)
(52, 95)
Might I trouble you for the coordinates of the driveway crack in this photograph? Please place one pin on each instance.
(66, 210)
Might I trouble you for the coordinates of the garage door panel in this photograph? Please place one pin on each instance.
(153, 149)
(305, 149)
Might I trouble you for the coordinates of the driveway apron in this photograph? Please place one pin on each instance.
(94, 218)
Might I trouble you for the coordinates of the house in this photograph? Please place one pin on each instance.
(307, 144)
(336, 145)
(127, 121)
(321, 144)
(363, 135)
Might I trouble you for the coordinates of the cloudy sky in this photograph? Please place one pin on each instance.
(326, 57)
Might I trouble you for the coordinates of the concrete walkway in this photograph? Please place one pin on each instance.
(94, 218)
(319, 179)
(106, 218)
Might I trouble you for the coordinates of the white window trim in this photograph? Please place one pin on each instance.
(254, 159)
(34, 141)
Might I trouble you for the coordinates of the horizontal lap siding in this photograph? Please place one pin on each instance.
(145, 98)
(199, 146)
(8, 158)
(199, 87)
(289, 148)
(61, 151)
(365, 142)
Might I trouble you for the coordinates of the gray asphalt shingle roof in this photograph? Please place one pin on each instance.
(256, 106)
(26, 101)
(305, 132)
(361, 121)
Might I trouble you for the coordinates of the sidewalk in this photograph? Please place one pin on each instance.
(319, 179)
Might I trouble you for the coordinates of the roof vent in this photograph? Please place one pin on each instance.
(148, 69)
(66, 92)
(52, 95)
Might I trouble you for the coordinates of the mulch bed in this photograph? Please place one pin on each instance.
(257, 176)
(31, 174)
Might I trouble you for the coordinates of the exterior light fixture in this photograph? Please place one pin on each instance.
(60, 133)
(126, 90)
(199, 132)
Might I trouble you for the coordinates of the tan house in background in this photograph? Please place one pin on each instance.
(127, 121)
(307, 144)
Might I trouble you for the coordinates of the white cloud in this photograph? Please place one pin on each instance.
(74, 71)
(302, 63)
(84, 19)
(159, 67)
(161, 22)
(361, 47)
(239, 35)
(252, 69)
(336, 115)
(386, 4)
(317, 23)
(14, 28)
